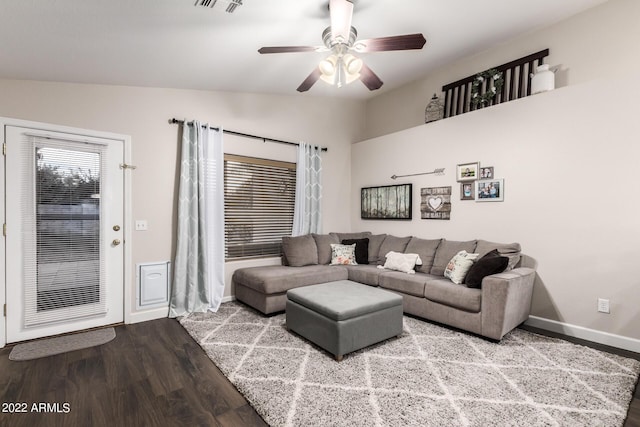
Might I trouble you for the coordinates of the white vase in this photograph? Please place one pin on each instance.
(543, 80)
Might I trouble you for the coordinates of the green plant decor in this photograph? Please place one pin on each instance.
(495, 81)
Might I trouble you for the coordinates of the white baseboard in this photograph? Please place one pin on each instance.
(143, 316)
(618, 341)
(160, 313)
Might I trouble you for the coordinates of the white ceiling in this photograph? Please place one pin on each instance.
(174, 44)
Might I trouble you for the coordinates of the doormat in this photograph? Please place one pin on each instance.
(52, 346)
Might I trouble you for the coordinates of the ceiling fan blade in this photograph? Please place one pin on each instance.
(310, 80)
(288, 49)
(369, 78)
(341, 13)
(380, 44)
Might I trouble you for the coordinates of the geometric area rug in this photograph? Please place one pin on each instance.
(429, 376)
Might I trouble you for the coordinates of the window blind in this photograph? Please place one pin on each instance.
(259, 197)
(63, 267)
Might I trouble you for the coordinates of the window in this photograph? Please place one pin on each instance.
(259, 198)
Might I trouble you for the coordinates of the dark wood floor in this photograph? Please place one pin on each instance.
(151, 374)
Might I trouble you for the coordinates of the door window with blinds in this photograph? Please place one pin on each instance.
(259, 197)
(63, 271)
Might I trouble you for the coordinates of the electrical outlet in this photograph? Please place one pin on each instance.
(603, 305)
(141, 225)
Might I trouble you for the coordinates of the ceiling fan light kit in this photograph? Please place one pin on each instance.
(341, 67)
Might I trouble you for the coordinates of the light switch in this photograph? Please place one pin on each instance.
(141, 225)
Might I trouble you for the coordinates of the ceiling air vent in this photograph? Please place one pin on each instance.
(231, 4)
(206, 3)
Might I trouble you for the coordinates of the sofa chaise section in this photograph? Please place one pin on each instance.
(265, 288)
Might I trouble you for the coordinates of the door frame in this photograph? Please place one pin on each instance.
(127, 225)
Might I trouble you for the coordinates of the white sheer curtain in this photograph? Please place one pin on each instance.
(307, 216)
(198, 279)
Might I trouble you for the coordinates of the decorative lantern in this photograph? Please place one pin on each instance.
(434, 110)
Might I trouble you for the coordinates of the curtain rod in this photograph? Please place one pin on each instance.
(246, 135)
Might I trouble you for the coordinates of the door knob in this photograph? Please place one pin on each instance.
(116, 242)
(116, 228)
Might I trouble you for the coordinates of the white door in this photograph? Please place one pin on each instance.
(64, 219)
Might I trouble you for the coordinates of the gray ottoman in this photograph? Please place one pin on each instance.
(343, 316)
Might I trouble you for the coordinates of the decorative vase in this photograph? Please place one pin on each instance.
(543, 80)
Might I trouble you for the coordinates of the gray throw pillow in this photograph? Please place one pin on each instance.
(323, 242)
(375, 241)
(350, 236)
(300, 251)
(426, 249)
(392, 243)
(447, 250)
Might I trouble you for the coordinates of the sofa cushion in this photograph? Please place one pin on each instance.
(357, 235)
(491, 263)
(392, 244)
(427, 251)
(446, 250)
(459, 266)
(405, 283)
(510, 250)
(375, 241)
(300, 250)
(323, 243)
(343, 254)
(445, 292)
(366, 274)
(275, 279)
(362, 249)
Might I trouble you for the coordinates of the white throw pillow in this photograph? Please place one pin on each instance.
(401, 262)
(459, 266)
(343, 254)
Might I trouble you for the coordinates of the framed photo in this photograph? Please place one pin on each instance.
(386, 202)
(490, 190)
(467, 191)
(467, 172)
(486, 172)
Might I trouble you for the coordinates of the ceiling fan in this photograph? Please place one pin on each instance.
(341, 66)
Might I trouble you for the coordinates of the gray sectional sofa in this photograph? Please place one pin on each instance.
(501, 304)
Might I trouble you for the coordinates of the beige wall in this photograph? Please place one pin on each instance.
(570, 170)
(143, 114)
(598, 43)
(567, 157)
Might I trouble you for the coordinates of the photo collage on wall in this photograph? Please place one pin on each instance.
(479, 183)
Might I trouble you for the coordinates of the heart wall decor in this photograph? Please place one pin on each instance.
(435, 203)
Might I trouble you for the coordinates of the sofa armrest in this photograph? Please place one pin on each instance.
(506, 301)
